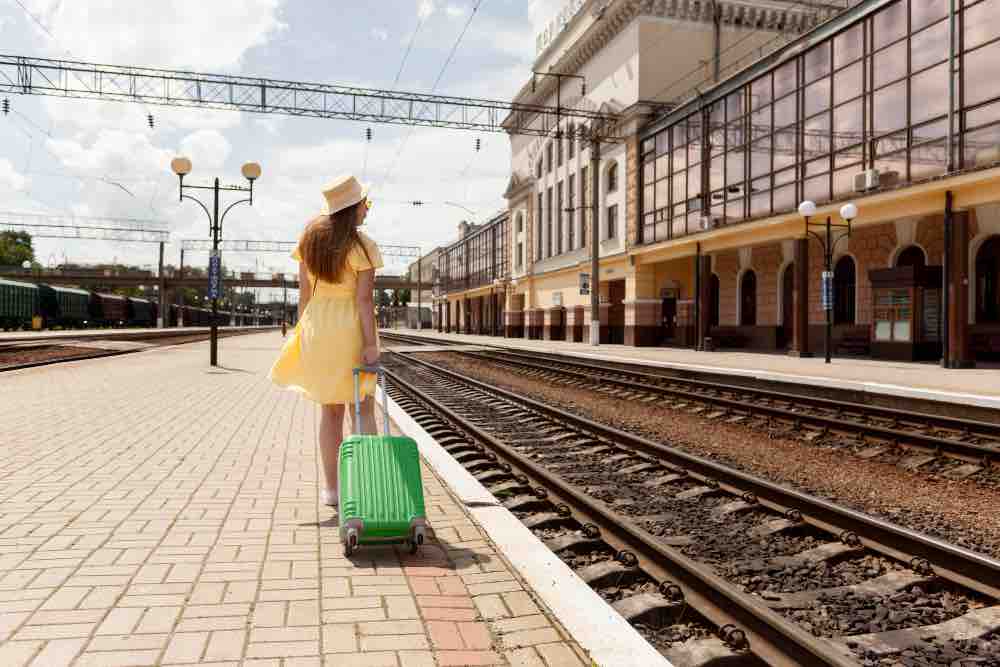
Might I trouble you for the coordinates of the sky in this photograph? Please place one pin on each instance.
(96, 158)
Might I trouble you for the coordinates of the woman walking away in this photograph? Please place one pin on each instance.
(336, 330)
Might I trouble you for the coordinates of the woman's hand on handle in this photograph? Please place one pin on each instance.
(370, 355)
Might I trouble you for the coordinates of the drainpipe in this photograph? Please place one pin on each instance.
(946, 283)
(717, 40)
(951, 86)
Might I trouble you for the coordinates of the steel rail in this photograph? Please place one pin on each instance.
(838, 422)
(769, 636)
(948, 561)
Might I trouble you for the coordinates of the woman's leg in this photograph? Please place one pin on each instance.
(331, 434)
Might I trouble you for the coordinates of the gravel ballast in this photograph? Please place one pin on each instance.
(959, 511)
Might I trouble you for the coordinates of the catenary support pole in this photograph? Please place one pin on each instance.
(180, 292)
(595, 244)
(420, 287)
(161, 319)
(829, 268)
(214, 353)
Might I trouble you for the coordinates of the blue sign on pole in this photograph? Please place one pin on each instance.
(826, 294)
(215, 276)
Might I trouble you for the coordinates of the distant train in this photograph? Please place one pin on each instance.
(69, 308)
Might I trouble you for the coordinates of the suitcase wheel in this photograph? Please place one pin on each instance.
(416, 540)
(351, 543)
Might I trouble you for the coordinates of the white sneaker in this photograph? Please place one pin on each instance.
(331, 498)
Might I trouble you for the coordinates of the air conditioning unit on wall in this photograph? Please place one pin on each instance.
(866, 180)
(709, 222)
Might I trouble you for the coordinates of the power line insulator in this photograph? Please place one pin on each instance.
(368, 134)
(149, 117)
(6, 106)
(479, 143)
(418, 203)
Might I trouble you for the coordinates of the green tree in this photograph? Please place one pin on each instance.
(15, 248)
(405, 297)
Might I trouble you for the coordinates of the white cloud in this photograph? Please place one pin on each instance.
(541, 12)
(455, 10)
(10, 179)
(425, 8)
(187, 34)
(207, 149)
(380, 34)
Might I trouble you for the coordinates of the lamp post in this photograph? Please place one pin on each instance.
(251, 171)
(848, 212)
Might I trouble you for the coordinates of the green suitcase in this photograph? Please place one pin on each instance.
(381, 494)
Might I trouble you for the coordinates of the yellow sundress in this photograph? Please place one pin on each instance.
(326, 344)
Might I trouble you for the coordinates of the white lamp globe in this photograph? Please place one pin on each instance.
(807, 209)
(848, 211)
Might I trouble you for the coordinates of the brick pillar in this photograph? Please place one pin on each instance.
(705, 301)
(958, 293)
(800, 301)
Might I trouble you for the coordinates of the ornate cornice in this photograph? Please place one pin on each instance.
(778, 17)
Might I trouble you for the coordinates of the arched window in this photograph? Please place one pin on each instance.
(988, 282)
(911, 256)
(748, 299)
(713, 313)
(612, 180)
(844, 282)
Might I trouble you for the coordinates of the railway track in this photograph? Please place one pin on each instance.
(709, 563)
(911, 439)
(48, 350)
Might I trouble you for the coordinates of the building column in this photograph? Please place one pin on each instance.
(642, 309)
(958, 293)
(800, 301)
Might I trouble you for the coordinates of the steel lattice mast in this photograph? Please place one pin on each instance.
(25, 75)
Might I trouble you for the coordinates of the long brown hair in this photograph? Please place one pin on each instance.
(328, 241)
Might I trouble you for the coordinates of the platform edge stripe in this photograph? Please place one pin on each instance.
(608, 637)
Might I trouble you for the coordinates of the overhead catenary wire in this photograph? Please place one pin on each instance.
(437, 81)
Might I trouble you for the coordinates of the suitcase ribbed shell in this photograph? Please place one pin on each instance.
(380, 486)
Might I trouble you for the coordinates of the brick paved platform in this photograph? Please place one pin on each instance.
(154, 511)
(979, 386)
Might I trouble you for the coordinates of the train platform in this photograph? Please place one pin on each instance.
(921, 381)
(157, 511)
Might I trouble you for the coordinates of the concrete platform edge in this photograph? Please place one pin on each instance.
(600, 630)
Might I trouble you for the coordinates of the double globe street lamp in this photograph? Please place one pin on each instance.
(251, 171)
(848, 212)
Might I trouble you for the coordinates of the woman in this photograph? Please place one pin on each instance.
(336, 330)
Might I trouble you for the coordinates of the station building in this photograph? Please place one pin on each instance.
(701, 238)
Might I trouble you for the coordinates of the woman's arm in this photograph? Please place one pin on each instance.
(366, 311)
(305, 288)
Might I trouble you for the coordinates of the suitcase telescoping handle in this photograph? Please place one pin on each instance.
(380, 379)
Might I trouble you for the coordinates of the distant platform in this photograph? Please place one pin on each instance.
(921, 381)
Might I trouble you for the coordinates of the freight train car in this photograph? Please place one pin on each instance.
(108, 310)
(64, 307)
(18, 304)
(140, 312)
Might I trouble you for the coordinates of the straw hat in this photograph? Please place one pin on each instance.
(344, 192)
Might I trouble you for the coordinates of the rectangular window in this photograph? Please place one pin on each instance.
(571, 209)
(549, 221)
(548, 157)
(559, 149)
(520, 254)
(559, 218)
(538, 229)
(612, 221)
